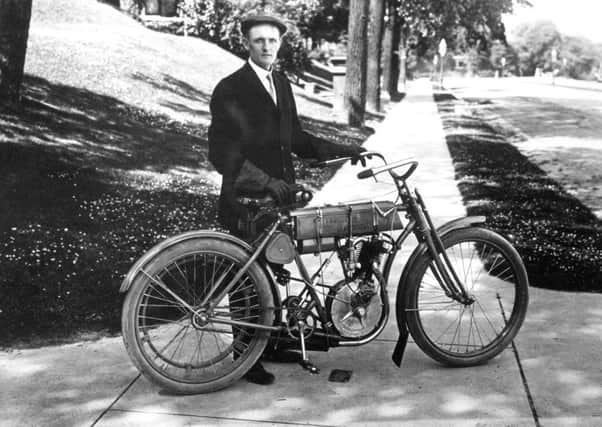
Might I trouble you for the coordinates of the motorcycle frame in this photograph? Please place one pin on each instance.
(419, 223)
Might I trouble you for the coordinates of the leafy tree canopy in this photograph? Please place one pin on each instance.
(479, 22)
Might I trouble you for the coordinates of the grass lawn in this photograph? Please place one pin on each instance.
(559, 238)
(107, 157)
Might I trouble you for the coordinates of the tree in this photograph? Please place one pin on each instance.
(355, 79)
(328, 21)
(373, 70)
(579, 57)
(14, 26)
(498, 55)
(534, 42)
(388, 47)
(429, 21)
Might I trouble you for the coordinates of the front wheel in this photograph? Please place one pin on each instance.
(495, 278)
(168, 334)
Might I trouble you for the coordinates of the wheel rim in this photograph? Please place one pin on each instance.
(190, 351)
(470, 330)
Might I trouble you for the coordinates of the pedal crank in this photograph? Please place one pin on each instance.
(305, 363)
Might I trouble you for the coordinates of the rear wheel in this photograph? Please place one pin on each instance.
(494, 276)
(194, 353)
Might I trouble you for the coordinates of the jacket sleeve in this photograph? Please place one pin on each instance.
(224, 133)
(306, 145)
(225, 147)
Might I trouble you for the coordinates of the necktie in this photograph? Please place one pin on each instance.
(271, 86)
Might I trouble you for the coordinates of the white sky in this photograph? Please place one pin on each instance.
(572, 17)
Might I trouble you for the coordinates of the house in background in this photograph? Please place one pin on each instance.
(166, 8)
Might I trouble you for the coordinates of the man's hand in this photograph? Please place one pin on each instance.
(355, 151)
(282, 192)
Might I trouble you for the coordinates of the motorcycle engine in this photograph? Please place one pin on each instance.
(355, 308)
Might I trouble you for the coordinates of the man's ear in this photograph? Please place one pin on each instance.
(245, 42)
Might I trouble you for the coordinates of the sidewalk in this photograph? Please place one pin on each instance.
(552, 377)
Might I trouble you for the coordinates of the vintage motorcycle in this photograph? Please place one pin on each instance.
(202, 306)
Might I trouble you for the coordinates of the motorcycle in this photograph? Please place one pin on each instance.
(202, 306)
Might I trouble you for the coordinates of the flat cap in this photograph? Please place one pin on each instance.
(251, 20)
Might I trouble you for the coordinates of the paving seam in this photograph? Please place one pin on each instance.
(526, 386)
(514, 348)
(249, 420)
(119, 396)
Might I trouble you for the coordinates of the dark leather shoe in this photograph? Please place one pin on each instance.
(258, 375)
(283, 356)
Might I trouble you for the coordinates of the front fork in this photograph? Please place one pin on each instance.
(441, 267)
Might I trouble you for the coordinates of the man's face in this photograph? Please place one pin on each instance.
(263, 42)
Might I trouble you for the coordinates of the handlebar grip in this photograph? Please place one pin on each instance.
(410, 171)
(304, 196)
(332, 162)
(366, 173)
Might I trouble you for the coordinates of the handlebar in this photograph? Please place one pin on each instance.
(371, 172)
(341, 160)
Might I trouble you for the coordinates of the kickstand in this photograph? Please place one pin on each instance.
(305, 363)
(308, 366)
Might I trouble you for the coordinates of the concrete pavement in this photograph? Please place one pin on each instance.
(551, 377)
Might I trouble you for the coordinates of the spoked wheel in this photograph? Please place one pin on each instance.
(460, 334)
(171, 336)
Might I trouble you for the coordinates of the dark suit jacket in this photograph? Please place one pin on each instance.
(251, 140)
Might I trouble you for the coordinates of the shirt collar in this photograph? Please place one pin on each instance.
(261, 72)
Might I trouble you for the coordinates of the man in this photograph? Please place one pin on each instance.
(255, 129)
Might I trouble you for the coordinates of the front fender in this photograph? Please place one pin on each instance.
(167, 243)
(420, 250)
(442, 230)
(463, 222)
(466, 221)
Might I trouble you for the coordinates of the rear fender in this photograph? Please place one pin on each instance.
(135, 270)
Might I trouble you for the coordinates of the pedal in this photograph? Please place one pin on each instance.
(308, 366)
(305, 363)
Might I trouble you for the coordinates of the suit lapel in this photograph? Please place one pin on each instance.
(256, 88)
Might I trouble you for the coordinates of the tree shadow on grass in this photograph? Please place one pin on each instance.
(99, 130)
(184, 90)
(559, 238)
(81, 201)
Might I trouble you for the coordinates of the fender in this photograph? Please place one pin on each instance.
(420, 250)
(443, 229)
(190, 235)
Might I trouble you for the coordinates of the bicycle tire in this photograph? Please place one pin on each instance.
(495, 277)
(205, 358)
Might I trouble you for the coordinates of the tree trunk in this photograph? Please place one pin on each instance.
(374, 32)
(355, 78)
(394, 74)
(14, 30)
(403, 58)
(387, 48)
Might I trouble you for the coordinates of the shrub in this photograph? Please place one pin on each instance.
(218, 21)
